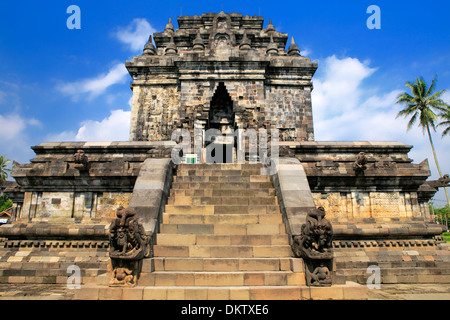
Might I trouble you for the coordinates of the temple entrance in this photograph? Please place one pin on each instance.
(222, 118)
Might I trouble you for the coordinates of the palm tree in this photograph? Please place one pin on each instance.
(4, 171)
(422, 105)
(446, 122)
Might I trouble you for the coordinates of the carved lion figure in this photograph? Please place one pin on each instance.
(81, 160)
(127, 236)
(361, 161)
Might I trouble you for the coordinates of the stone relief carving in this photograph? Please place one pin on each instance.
(440, 183)
(360, 165)
(81, 160)
(128, 246)
(314, 246)
(123, 277)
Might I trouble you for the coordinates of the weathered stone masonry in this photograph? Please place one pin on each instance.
(173, 85)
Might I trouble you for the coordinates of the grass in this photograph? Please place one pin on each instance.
(446, 236)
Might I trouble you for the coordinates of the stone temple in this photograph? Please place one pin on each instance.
(138, 225)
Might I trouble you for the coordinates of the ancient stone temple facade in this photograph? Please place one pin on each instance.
(222, 71)
(169, 230)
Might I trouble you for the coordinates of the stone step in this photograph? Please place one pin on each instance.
(219, 167)
(350, 291)
(222, 179)
(193, 239)
(218, 279)
(234, 218)
(225, 200)
(218, 173)
(222, 185)
(222, 251)
(224, 229)
(222, 264)
(261, 192)
(222, 209)
(226, 293)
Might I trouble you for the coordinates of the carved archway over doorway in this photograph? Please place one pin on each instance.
(221, 119)
(221, 114)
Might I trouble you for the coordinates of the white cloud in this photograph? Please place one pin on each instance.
(96, 86)
(116, 127)
(12, 126)
(14, 143)
(339, 88)
(446, 96)
(305, 52)
(136, 34)
(344, 110)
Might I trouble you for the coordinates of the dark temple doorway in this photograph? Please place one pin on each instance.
(222, 118)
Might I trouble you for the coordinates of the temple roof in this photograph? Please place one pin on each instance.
(213, 27)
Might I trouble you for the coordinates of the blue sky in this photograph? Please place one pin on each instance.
(60, 84)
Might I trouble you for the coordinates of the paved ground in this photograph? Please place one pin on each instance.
(411, 292)
(34, 292)
(387, 292)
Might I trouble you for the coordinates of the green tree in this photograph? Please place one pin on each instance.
(442, 214)
(422, 105)
(446, 122)
(5, 203)
(4, 170)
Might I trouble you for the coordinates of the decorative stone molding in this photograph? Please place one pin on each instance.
(387, 243)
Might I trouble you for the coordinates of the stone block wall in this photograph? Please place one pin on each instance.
(400, 261)
(52, 261)
(158, 110)
(173, 84)
(54, 205)
(370, 204)
(387, 188)
(55, 190)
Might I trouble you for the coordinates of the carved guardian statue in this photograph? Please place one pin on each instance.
(81, 160)
(314, 247)
(128, 246)
(360, 165)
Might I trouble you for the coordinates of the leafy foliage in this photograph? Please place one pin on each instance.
(4, 170)
(424, 105)
(446, 122)
(5, 203)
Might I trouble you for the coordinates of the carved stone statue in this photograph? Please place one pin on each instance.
(81, 160)
(441, 182)
(123, 277)
(360, 164)
(128, 246)
(314, 245)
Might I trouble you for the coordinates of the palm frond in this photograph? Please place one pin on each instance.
(445, 115)
(422, 104)
(412, 121)
(432, 86)
(446, 131)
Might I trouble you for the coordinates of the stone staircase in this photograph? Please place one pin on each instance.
(222, 237)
